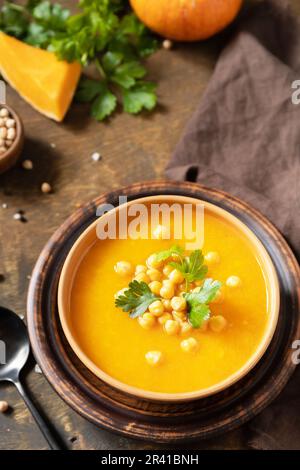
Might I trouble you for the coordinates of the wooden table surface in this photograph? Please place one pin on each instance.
(133, 149)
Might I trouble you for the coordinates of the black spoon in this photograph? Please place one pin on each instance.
(14, 352)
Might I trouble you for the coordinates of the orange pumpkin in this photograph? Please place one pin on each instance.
(186, 20)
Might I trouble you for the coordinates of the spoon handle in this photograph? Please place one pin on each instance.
(44, 427)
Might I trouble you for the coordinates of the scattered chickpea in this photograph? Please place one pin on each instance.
(140, 268)
(152, 262)
(233, 281)
(142, 277)
(178, 304)
(167, 305)
(171, 327)
(161, 232)
(154, 274)
(46, 188)
(156, 308)
(155, 287)
(153, 358)
(3, 406)
(185, 327)
(164, 318)
(217, 323)
(124, 268)
(167, 44)
(176, 276)
(212, 257)
(189, 345)
(147, 320)
(167, 270)
(27, 164)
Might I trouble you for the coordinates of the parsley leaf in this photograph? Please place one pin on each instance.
(164, 255)
(104, 105)
(136, 299)
(192, 267)
(199, 310)
(142, 95)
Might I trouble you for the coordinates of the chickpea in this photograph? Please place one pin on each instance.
(155, 287)
(124, 268)
(156, 308)
(185, 327)
(167, 270)
(179, 316)
(167, 305)
(11, 133)
(189, 345)
(217, 323)
(164, 318)
(142, 277)
(147, 320)
(3, 406)
(167, 292)
(153, 358)
(140, 268)
(3, 132)
(154, 274)
(233, 281)
(178, 304)
(212, 257)
(152, 262)
(161, 232)
(171, 327)
(176, 276)
(4, 112)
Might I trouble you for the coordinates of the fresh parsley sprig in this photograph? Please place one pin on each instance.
(192, 267)
(136, 299)
(104, 34)
(198, 302)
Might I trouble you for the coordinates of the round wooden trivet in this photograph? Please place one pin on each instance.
(132, 417)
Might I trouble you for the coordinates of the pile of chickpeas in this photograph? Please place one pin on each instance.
(171, 310)
(7, 130)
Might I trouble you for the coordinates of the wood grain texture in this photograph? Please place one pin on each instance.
(133, 149)
(139, 418)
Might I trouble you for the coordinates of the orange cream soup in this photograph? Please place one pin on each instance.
(117, 344)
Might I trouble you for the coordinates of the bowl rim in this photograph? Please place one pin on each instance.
(274, 300)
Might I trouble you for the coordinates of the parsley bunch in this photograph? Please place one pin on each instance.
(104, 33)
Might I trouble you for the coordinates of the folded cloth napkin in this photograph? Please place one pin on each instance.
(244, 138)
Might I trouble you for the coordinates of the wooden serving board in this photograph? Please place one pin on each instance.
(133, 417)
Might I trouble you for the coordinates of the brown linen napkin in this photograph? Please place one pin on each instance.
(244, 138)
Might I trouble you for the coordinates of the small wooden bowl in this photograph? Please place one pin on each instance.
(89, 237)
(10, 157)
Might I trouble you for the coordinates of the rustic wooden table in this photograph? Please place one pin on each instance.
(133, 149)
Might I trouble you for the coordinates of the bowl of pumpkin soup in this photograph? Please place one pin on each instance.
(165, 308)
